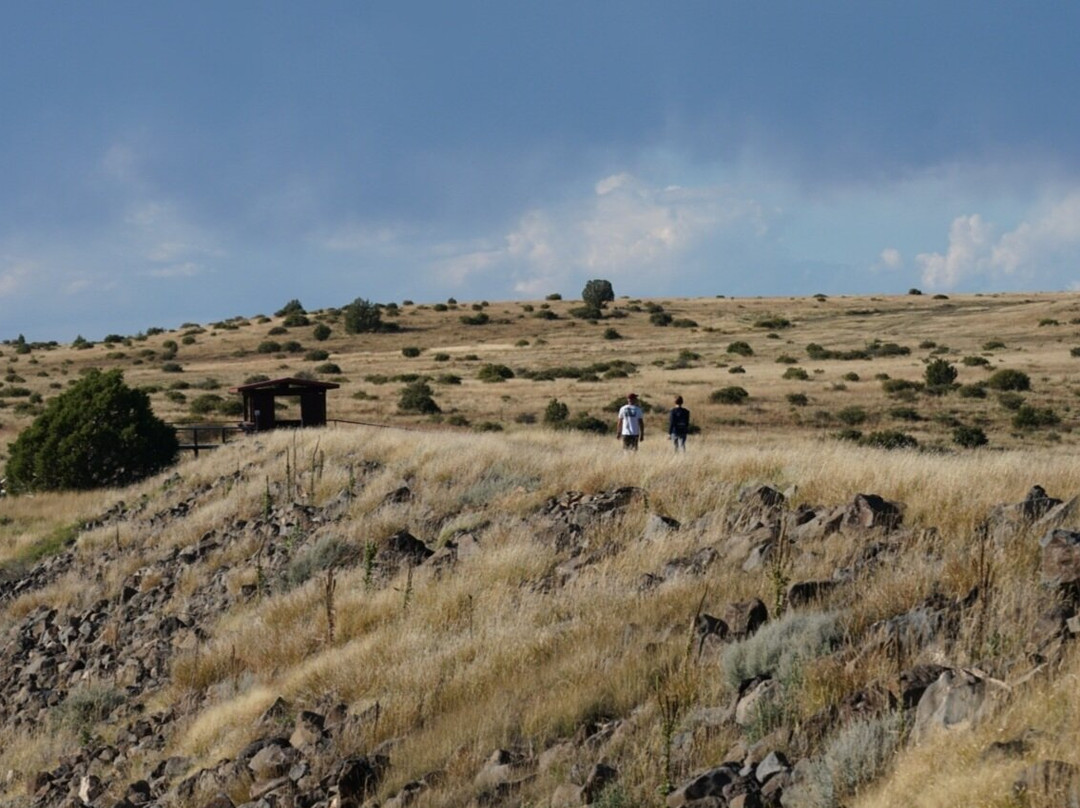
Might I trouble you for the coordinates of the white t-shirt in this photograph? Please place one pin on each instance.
(630, 416)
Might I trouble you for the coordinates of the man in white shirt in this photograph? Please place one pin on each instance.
(631, 423)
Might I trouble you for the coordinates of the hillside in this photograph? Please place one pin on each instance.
(444, 616)
(808, 365)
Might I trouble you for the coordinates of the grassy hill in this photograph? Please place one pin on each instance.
(809, 365)
(513, 618)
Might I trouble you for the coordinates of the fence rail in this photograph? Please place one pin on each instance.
(196, 437)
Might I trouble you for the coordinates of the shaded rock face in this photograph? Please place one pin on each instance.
(1060, 564)
(958, 699)
(562, 520)
(872, 511)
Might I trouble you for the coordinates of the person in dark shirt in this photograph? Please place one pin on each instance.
(678, 424)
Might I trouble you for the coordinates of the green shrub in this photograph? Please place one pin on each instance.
(494, 373)
(317, 355)
(172, 367)
(729, 395)
(969, 437)
(295, 320)
(553, 296)
(86, 706)
(364, 317)
(328, 368)
(204, 404)
(441, 357)
(660, 318)
(475, 319)
(269, 346)
(1029, 417)
(584, 422)
(556, 413)
(786, 359)
(972, 391)
(741, 348)
(796, 373)
(326, 553)
(797, 399)
(975, 361)
(684, 322)
(98, 432)
(781, 648)
(611, 333)
(773, 323)
(894, 386)
(851, 376)
(905, 414)
(321, 332)
(939, 373)
(993, 345)
(852, 416)
(1074, 351)
(416, 397)
(410, 352)
(488, 426)
(857, 755)
(1011, 401)
(889, 439)
(1009, 379)
(292, 307)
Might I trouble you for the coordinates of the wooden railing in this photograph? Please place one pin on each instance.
(196, 437)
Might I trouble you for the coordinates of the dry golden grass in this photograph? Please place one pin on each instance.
(495, 653)
(958, 327)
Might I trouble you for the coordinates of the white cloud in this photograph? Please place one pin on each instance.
(1056, 231)
(187, 269)
(13, 278)
(1032, 249)
(624, 228)
(970, 245)
(357, 238)
(890, 258)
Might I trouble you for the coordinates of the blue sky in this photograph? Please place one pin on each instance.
(170, 162)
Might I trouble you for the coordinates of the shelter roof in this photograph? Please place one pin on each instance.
(286, 386)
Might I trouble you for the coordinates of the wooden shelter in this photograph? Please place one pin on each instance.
(259, 413)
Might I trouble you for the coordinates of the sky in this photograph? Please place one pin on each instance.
(167, 162)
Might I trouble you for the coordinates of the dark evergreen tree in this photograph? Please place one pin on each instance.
(596, 293)
(99, 432)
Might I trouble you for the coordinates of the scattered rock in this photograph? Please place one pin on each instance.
(868, 511)
(1049, 782)
(958, 699)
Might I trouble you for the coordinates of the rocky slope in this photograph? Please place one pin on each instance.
(729, 717)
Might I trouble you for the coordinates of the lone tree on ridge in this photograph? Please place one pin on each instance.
(99, 432)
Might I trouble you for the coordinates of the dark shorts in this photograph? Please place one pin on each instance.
(630, 442)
